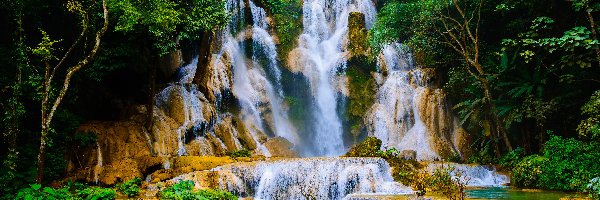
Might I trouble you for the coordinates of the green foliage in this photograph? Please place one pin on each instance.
(566, 164)
(45, 49)
(74, 191)
(130, 188)
(183, 190)
(511, 159)
(449, 182)
(593, 188)
(367, 148)
(590, 127)
(96, 193)
(287, 17)
(527, 172)
(167, 21)
(389, 153)
(240, 153)
(362, 89)
(36, 191)
(571, 164)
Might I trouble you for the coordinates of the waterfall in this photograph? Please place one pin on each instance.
(319, 56)
(98, 169)
(476, 175)
(306, 178)
(408, 114)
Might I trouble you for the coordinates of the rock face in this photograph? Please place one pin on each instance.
(408, 155)
(409, 112)
(280, 147)
(120, 153)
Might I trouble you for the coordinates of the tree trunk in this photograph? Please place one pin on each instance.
(42, 154)
(497, 123)
(594, 34)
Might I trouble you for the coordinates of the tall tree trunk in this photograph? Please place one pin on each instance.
(48, 112)
(499, 130)
(594, 33)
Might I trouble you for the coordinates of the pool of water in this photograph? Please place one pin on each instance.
(517, 194)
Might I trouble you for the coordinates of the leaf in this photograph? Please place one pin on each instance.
(36, 186)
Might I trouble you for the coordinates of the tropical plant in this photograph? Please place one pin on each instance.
(130, 188)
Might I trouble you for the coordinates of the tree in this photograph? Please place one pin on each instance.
(459, 29)
(45, 51)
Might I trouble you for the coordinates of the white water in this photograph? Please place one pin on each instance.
(395, 117)
(476, 175)
(309, 178)
(98, 169)
(321, 54)
(188, 97)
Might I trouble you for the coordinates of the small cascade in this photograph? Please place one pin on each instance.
(477, 175)
(408, 114)
(178, 105)
(98, 169)
(308, 178)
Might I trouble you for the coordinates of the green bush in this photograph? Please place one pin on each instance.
(75, 191)
(527, 172)
(240, 153)
(449, 182)
(96, 193)
(566, 164)
(571, 164)
(511, 159)
(130, 188)
(367, 148)
(36, 191)
(184, 191)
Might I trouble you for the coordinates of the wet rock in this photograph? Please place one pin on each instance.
(408, 155)
(280, 147)
(169, 64)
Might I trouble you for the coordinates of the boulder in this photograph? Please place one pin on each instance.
(280, 147)
(408, 155)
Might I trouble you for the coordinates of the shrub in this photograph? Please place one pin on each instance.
(571, 164)
(367, 148)
(36, 191)
(449, 182)
(130, 188)
(240, 153)
(511, 159)
(184, 191)
(527, 172)
(96, 193)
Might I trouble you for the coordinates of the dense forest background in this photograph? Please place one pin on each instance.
(523, 75)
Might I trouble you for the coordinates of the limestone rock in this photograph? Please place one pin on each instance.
(169, 64)
(280, 147)
(408, 155)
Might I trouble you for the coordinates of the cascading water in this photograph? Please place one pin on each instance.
(98, 169)
(307, 178)
(396, 116)
(475, 175)
(319, 56)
